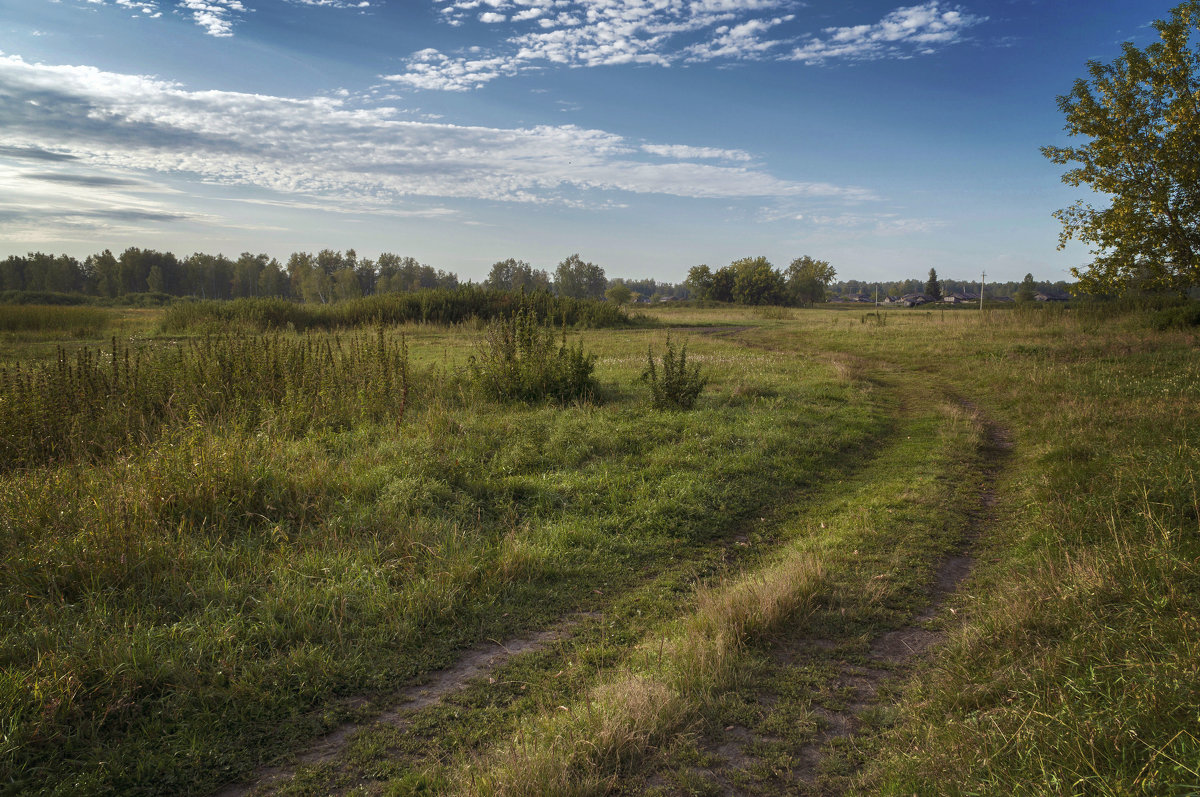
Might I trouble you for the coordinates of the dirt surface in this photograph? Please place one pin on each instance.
(476, 662)
(805, 746)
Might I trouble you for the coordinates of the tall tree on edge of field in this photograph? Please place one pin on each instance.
(1143, 118)
(808, 280)
(933, 288)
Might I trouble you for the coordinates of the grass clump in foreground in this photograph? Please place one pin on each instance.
(673, 386)
(517, 359)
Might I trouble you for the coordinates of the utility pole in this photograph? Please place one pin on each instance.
(982, 279)
(877, 294)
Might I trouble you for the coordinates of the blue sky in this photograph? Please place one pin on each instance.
(647, 135)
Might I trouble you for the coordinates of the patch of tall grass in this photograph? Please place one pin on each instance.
(458, 306)
(96, 402)
(76, 320)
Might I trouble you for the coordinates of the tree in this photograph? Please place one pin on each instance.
(755, 281)
(808, 280)
(721, 288)
(933, 288)
(516, 275)
(576, 278)
(1143, 119)
(619, 293)
(1027, 290)
(700, 281)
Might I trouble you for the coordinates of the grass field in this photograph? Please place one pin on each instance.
(220, 549)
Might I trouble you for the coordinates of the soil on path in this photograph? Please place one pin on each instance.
(815, 695)
(476, 662)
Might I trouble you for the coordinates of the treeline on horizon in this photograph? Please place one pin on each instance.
(148, 276)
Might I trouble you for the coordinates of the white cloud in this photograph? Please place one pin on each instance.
(902, 33)
(596, 33)
(742, 41)
(684, 152)
(215, 16)
(323, 146)
(218, 17)
(606, 32)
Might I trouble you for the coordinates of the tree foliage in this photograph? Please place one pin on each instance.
(579, 279)
(1027, 290)
(619, 293)
(517, 275)
(1142, 116)
(755, 281)
(808, 279)
(933, 287)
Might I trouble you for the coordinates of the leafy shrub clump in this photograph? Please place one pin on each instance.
(673, 386)
(518, 360)
(1181, 317)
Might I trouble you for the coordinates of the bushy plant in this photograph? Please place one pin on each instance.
(519, 360)
(673, 386)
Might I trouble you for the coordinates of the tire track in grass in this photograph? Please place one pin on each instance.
(793, 726)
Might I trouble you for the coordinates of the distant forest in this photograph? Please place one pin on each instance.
(330, 276)
(993, 290)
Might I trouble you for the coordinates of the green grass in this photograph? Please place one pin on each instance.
(188, 597)
(179, 611)
(77, 321)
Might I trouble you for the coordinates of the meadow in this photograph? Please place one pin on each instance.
(227, 537)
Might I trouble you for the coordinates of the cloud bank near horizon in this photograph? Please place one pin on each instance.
(99, 129)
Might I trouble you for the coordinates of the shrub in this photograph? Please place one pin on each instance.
(1181, 317)
(674, 386)
(517, 360)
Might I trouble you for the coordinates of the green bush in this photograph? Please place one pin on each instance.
(1181, 317)
(673, 386)
(518, 360)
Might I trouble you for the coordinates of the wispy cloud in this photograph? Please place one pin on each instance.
(549, 33)
(832, 219)
(684, 152)
(35, 154)
(81, 179)
(324, 146)
(915, 30)
(216, 17)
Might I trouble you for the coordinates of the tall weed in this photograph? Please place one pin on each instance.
(518, 360)
(97, 402)
(673, 385)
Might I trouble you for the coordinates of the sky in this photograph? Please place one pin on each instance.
(648, 136)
